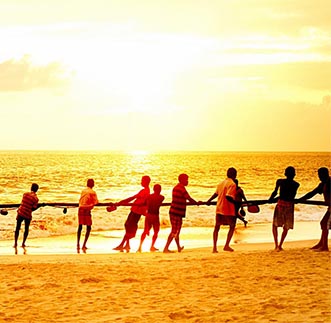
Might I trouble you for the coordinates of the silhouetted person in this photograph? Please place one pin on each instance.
(225, 208)
(138, 209)
(322, 188)
(24, 213)
(240, 197)
(152, 218)
(88, 199)
(284, 210)
(177, 211)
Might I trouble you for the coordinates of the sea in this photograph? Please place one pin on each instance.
(62, 175)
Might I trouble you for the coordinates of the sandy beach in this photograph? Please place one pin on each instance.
(253, 284)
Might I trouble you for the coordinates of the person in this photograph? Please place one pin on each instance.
(322, 188)
(177, 211)
(24, 213)
(284, 210)
(88, 199)
(152, 218)
(240, 197)
(138, 209)
(225, 208)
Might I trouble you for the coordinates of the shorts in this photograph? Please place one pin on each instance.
(152, 221)
(131, 224)
(284, 215)
(20, 219)
(176, 225)
(84, 216)
(221, 219)
(326, 221)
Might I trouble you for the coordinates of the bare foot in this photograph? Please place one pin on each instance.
(167, 251)
(322, 249)
(227, 248)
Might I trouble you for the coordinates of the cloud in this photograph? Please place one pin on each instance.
(22, 75)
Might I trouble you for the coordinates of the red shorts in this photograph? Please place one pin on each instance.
(131, 224)
(84, 216)
(152, 221)
(225, 220)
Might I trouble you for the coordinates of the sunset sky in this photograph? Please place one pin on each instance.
(222, 75)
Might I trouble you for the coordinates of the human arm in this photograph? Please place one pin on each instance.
(211, 198)
(311, 194)
(192, 200)
(36, 205)
(39, 205)
(242, 195)
(233, 201)
(127, 200)
(275, 191)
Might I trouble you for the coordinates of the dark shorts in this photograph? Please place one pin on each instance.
(176, 224)
(20, 219)
(325, 222)
(131, 224)
(84, 216)
(221, 219)
(152, 221)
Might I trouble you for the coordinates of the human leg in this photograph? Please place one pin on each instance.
(147, 227)
(19, 221)
(156, 229)
(275, 234)
(179, 247)
(228, 238)
(26, 230)
(323, 242)
(142, 238)
(324, 239)
(87, 234)
(169, 240)
(79, 232)
(131, 227)
(282, 239)
(215, 237)
(176, 223)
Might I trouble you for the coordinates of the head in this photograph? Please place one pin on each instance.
(323, 174)
(145, 180)
(290, 172)
(157, 188)
(90, 183)
(34, 187)
(232, 173)
(183, 179)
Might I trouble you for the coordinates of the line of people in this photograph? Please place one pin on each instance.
(228, 209)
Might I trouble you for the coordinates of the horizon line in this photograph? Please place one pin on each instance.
(143, 151)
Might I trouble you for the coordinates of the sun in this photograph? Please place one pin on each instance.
(135, 74)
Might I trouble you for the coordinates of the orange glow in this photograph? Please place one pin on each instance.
(164, 76)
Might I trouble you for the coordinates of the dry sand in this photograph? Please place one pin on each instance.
(252, 284)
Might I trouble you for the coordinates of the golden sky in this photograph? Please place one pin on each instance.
(216, 75)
